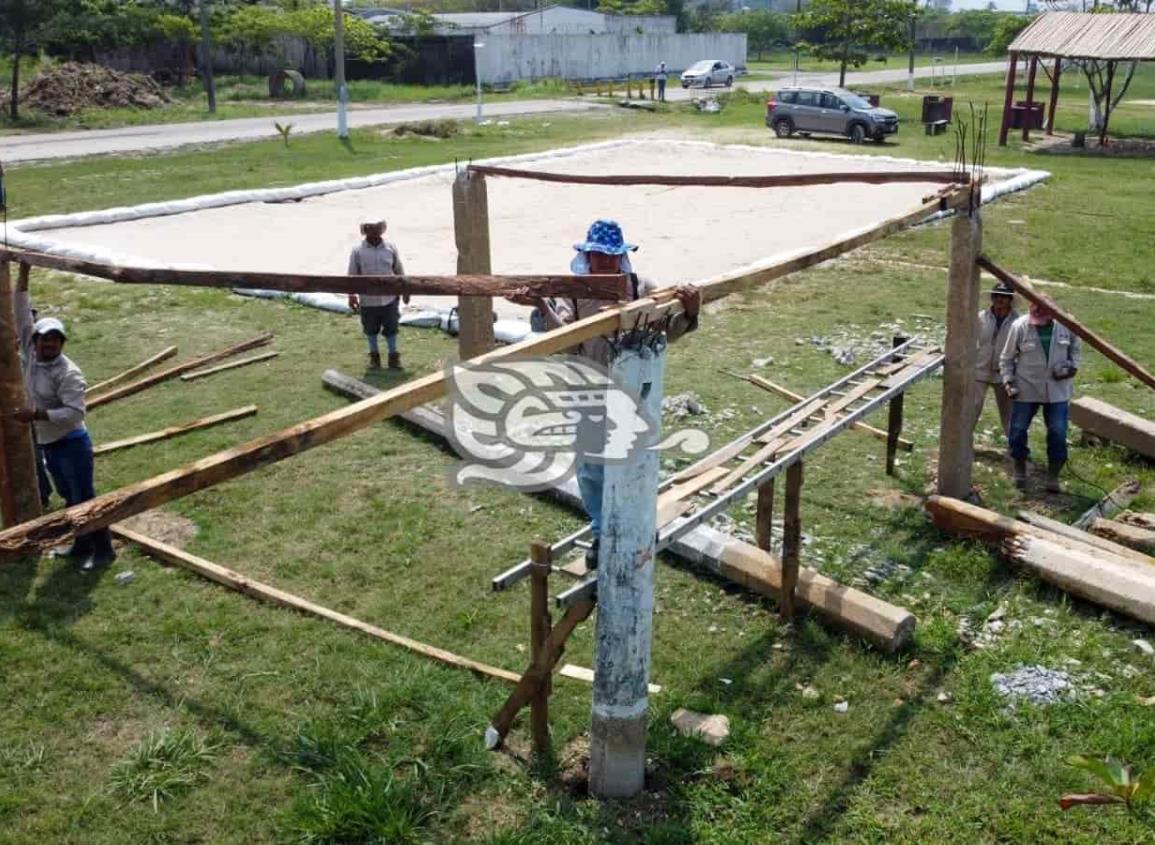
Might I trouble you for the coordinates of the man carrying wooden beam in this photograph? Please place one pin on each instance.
(375, 256)
(604, 250)
(1037, 365)
(994, 326)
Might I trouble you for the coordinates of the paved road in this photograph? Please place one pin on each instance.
(138, 139)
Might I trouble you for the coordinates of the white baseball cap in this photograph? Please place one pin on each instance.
(49, 324)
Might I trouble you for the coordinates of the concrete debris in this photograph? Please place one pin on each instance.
(852, 343)
(810, 692)
(126, 577)
(1147, 702)
(1035, 685)
(841, 706)
(762, 362)
(711, 728)
(683, 405)
(943, 697)
(1143, 647)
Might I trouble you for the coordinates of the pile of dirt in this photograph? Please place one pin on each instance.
(65, 89)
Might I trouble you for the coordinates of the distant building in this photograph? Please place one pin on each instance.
(551, 20)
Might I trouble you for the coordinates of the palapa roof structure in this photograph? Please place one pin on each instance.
(1076, 35)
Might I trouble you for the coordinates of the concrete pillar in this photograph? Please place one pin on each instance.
(20, 499)
(626, 590)
(471, 230)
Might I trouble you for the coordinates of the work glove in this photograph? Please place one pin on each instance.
(1011, 390)
(1065, 371)
(354, 303)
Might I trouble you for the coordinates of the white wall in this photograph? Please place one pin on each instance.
(509, 58)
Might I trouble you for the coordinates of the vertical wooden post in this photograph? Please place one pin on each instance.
(539, 627)
(626, 589)
(1107, 104)
(207, 56)
(21, 499)
(1008, 99)
(471, 230)
(1054, 96)
(956, 443)
(894, 420)
(764, 516)
(791, 539)
(1032, 69)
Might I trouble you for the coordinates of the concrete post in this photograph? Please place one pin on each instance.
(21, 494)
(626, 590)
(471, 230)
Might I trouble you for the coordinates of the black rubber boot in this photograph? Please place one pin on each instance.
(592, 554)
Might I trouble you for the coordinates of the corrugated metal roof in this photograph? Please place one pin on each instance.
(1126, 37)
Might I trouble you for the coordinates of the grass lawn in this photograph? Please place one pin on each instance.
(170, 710)
(777, 62)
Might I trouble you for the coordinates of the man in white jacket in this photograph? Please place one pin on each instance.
(1038, 365)
(994, 327)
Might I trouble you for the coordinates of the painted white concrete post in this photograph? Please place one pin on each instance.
(626, 590)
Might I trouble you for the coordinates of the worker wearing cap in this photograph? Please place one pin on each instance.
(994, 327)
(380, 314)
(55, 392)
(605, 251)
(1038, 364)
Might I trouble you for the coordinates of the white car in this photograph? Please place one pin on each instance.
(707, 73)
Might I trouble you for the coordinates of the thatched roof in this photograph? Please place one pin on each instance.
(1074, 35)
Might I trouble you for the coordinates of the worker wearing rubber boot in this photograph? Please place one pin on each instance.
(604, 251)
(1038, 366)
(380, 315)
(994, 326)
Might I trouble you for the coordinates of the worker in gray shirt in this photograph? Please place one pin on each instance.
(994, 326)
(380, 314)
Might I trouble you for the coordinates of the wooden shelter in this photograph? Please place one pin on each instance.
(1073, 36)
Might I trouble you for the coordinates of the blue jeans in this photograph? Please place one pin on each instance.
(591, 478)
(1054, 415)
(71, 466)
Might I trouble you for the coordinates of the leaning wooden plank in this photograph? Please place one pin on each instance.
(787, 393)
(231, 365)
(1085, 537)
(887, 626)
(764, 454)
(172, 372)
(1114, 502)
(175, 430)
(778, 180)
(265, 592)
(1131, 536)
(608, 287)
(1103, 420)
(132, 372)
(844, 402)
(61, 526)
(1027, 291)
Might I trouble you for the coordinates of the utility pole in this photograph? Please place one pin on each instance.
(207, 57)
(913, 36)
(339, 69)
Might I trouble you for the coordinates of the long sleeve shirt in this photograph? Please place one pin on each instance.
(375, 260)
(992, 339)
(55, 387)
(1032, 370)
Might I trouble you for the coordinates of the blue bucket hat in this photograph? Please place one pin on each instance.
(605, 236)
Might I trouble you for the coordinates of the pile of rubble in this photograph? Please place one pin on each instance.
(68, 88)
(1035, 684)
(855, 344)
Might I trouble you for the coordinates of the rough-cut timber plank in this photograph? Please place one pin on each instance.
(265, 592)
(174, 371)
(176, 430)
(1101, 419)
(1132, 536)
(231, 365)
(1084, 537)
(611, 287)
(1028, 292)
(788, 180)
(132, 372)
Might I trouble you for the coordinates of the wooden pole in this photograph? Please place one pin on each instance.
(1107, 104)
(1008, 99)
(956, 439)
(176, 430)
(231, 365)
(791, 539)
(626, 589)
(132, 372)
(471, 231)
(539, 625)
(1032, 69)
(21, 499)
(787, 180)
(894, 420)
(207, 56)
(1054, 104)
(764, 520)
(1027, 291)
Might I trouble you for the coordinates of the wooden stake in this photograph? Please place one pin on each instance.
(175, 430)
(132, 372)
(471, 231)
(956, 439)
(231, 365)
(791, 539)
(1032, 69)
(1054, 96)
(539, 626)
(264, 592)
(764, 520)
(894, 421)
(173, 372)
(21, 499)
(1008, 99)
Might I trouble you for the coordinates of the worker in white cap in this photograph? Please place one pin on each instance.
(55, 392)
(380, 314)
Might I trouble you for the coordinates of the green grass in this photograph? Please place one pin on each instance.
(320, 735)
(164, 765)
(778, 62)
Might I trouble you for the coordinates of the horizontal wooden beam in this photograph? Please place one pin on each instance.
(132, 372)
(176, 430)
(610, 287)
(229, 365)
(779, 180)
(1028, 292)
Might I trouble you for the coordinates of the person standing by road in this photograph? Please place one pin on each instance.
(994, 327)
(1038, 365)
(661, 75)
(380, 315)
(56, 409)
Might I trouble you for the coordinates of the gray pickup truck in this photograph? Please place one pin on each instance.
(833, 111)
